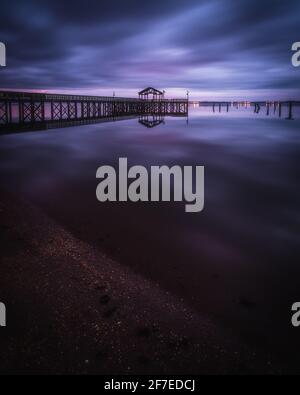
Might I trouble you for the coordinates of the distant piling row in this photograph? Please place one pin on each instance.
(277, 107)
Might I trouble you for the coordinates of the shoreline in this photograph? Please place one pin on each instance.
(73, 310)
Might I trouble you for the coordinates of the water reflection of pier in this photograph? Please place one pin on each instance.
(43, 126)
(151, 121)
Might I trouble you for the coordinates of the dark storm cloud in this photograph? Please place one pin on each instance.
(206, 46)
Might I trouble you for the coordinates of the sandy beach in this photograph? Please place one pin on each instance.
(72, 310)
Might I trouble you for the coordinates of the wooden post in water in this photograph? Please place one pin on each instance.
(290, 116)
(280, 110)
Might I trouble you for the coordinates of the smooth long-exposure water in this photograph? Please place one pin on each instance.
(237, 262)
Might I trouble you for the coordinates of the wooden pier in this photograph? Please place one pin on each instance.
(30, 108)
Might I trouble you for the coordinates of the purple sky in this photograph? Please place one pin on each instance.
(215, 48)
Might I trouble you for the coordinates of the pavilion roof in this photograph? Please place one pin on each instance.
(150, 91)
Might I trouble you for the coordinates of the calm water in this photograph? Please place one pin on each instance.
(237, 262)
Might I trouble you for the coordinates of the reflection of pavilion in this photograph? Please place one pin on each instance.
(151, 121)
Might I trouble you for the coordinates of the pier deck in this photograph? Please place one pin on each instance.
(23, 107)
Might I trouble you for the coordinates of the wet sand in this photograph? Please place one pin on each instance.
(72, 310)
